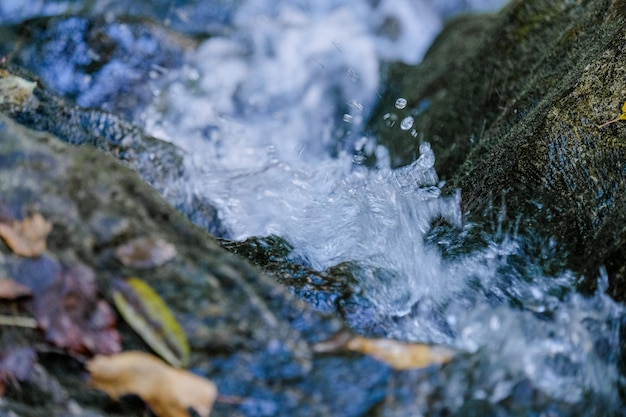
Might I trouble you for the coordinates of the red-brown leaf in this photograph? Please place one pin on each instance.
(73, 317)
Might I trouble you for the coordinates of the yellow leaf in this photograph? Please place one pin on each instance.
(398, 355)
(147, 314)
(624, 108)
(169, 392)
(28, 237)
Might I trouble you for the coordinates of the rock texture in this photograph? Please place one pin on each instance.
(259, 337)
(512, 104)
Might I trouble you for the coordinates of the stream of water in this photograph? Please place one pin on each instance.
(271, 113)
(272, 117)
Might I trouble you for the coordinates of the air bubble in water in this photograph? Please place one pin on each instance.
(348, 118)
(406, 123)
(400, 103)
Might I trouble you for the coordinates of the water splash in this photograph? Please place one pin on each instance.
(406, 123)
(272, 119)
(400, 103)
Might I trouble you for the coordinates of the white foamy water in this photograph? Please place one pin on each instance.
(271, 116)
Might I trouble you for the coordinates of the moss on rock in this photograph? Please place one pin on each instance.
(513, 120)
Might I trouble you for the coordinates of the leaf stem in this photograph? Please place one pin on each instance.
(609, 122)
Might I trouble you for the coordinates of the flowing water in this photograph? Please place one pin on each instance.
(272, 117)
(271, 111)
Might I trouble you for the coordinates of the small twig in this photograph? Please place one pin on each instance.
(620, 117)
(609, 122)
(18, 321)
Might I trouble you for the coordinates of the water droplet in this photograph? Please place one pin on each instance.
(360, 144)
(354, 76)
(337, 45)
(192, 74)
(427, 157)
(406, 123)
(400, 103)
(494, 323)
(358, 159)
(356, 105)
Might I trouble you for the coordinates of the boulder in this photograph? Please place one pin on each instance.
(514, 106)
(247, 332)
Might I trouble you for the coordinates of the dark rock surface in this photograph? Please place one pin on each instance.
(257, 335)
(158, 163)
(511, 104)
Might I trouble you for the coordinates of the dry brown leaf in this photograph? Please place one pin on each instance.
(146, 252)
(11, 290)
(169, 392)
(27, 237)
(398, 355)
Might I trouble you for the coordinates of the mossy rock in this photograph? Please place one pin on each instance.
(514, 102)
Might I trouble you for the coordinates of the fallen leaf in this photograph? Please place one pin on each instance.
(12, 290)
(146, 252)
(169, 392)
(149, 316)
(28, 237)
(73, 317)
(399, 355)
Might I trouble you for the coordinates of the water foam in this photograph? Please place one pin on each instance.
(271, 117)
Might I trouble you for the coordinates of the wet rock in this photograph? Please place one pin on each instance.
(95, 62)
(273, 254)
(511, 104)
(247, 332)
(158, 162)
(191, 17)
(337, 290)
